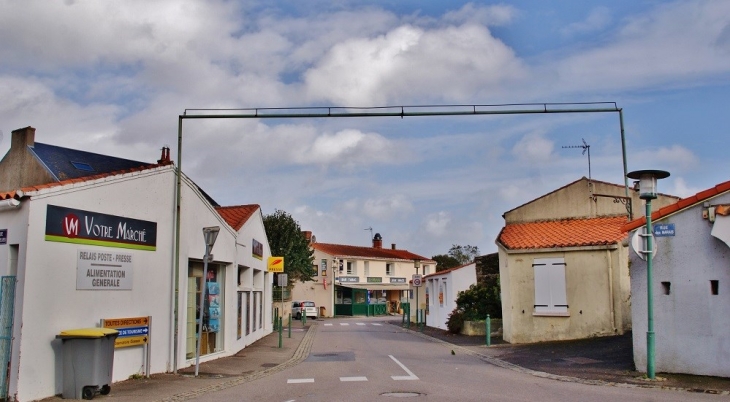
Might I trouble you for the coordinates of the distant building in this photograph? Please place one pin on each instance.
(355, 280)
(563, 264)
(442, 288)
(691, 282)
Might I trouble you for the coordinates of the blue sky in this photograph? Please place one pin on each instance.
(112, 77)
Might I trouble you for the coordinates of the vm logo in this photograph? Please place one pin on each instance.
(71, 225)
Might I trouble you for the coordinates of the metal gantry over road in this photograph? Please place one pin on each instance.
(379, 111)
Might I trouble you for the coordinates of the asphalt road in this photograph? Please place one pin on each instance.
(369, 360)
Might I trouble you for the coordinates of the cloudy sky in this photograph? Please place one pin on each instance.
(113, 76)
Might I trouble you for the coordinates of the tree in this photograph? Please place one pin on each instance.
(475, 303)
(444, 262)
(287, 240)
(464, 254)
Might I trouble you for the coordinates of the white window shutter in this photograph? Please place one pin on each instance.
(542, 286)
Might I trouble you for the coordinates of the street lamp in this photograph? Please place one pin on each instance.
(647, 191)
(210, 234)
(417, 265)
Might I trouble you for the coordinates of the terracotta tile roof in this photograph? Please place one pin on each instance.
(19, 193)
(563, 233)
(237, 215)
(446, 271)
(679, 205)
(341, 250)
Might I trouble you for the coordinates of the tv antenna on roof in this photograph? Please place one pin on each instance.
(586, 148)
(371, 232)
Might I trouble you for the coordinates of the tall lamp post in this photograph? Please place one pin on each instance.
(417, 265)
(210, 234)
(647, 192)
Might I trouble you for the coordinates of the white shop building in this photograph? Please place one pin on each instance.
(103, 248)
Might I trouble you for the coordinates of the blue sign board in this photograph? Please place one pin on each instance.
(664, 230)
(3, 236)
(135, 331)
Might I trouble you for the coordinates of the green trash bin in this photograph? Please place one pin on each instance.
(88, 358)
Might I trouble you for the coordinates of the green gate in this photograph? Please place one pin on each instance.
(7, 303)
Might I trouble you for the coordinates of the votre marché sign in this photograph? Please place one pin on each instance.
(69, 225)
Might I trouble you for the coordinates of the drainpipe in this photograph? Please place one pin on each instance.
(176, 262)
(611, 298)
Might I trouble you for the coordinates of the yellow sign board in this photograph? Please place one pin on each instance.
(126, 322)
(276, 264)
(133, 331)
(130, 341)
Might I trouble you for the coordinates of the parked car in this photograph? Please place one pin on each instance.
(303, 307)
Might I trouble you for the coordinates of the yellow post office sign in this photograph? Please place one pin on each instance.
(276, 264)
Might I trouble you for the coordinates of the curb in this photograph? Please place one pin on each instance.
(300, 355)
(510, 366)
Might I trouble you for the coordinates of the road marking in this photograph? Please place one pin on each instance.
(410, 375)
(344, 323)
(350, 379)
(328, 325)
(299, 380)
(376, 324)
(359, 323)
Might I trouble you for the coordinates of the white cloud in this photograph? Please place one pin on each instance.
(681, 189)
(533, 148)
(390, 68)
(387, 207)
(597, 19)
(675, 158)
(436, 224)
(346, 148)
(487, 15)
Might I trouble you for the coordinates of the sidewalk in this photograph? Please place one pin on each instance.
(602, 361)
(596, 361)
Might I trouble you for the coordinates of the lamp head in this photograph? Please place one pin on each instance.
(417, 263)
(211, 234)
(647, 182)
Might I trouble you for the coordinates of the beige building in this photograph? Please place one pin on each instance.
(563, 263)
(355, 280)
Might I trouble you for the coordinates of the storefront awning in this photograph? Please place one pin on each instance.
(376, 286)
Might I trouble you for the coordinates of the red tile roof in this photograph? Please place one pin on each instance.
(237, 215)
(19, 193)
(341, 250)
(563, 233)
(446, 271)
(679, 205)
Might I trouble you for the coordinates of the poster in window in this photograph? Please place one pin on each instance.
(214, 301)
(214, 326)
(214, 313)
(214, 288)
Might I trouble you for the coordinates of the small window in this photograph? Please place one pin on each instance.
(714, 287)
(389, 269)
(83, 166)
(349, 267)
(667, 287)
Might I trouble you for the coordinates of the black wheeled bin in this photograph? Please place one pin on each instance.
(88, 358)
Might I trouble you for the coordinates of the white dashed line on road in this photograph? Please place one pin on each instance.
(344, 323)
(299, 380)
(359, 323)
(328, 325)
(351, 379)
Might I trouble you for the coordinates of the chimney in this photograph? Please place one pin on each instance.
(165, 157)
(377, 241)
(392, 246)
(23, 137)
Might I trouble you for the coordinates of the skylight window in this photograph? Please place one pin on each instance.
(83, 166)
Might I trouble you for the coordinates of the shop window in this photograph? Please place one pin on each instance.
(247, 311)
(260, 303)
(210, 311)
(550, 293)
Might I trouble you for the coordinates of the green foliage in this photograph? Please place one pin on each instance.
(455, 322)
(444, 262)
(476, 302)
(464, 254)
(287, 240)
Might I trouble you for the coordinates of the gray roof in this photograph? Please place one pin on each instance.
(66, 163)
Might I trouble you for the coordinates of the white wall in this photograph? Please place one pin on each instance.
(692, 326)
(452, 283)
(47, 301)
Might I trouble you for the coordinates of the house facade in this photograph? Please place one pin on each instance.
(563, 264)
(691, 285)
(441, 290)
(355, 280)
(102, 248)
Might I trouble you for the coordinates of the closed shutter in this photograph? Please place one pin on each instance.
(550, 289)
